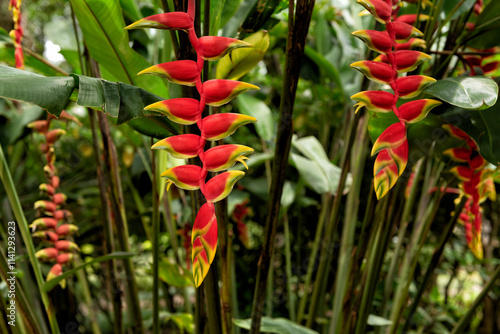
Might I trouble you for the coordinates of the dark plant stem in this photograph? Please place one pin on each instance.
(298, 26)
(155, 244)
(434, 262)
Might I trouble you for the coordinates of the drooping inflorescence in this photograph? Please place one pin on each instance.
(189, 111)
(54, 224)
(389, 68)
(17, 33)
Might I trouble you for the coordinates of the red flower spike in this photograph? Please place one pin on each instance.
(411, 18)
(47, 254)
(54, 135)
(181, 146)
(375, 100)
(204, 240)
(55, 181)
(63, 215)
(411, 86)
(182, 72)
(413, 43)
(378, 8)
(224, 156)
(66, 229)
(45, 206)
(400, 156)
(64, 258)
(59, 198)
(218, 92)
(405, 60)
(219, 126)
(461, 172)
(216, 47)
(184, 111)
(47, 189)
(403, 31)
(458, 154)
(186, 177)
(55, 271)
(392, 137)
(46, 235)
(38, 126)
(455, 132)
(478, 162)
(66, 245)
(375, 71)
(415, 111)
(219, 187)
(376, 40)
(385, 174)
(44, 222)
(170, 21)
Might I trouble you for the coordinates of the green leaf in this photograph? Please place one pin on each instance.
(378, 122)
(465, 92)
(184, 321)
(254, 107)
(275, 325)
(7, 55)
(374, 320)
(102, 26)
(259, 15)
(463, 7)
(240, 61)
(315, 178)
(216, 8)
(487, 28)
(324, 64)
(49, 285)
(170, 274)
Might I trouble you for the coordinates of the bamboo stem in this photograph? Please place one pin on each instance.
(155, 245)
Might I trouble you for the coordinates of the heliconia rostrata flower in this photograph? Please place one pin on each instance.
(189, 111)
(54, 225)
(476, 184)
(394, 60)
(17, 33)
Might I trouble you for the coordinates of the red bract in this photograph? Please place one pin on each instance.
(215, 127)
(395, 58)
(17, 33)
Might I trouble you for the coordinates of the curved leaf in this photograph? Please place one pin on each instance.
(465, 92)
(487, 28)
(275, 325)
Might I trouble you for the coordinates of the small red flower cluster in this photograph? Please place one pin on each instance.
(395, 59)
(212, 128)
(55, 224)
(17, 33)
(476, 184)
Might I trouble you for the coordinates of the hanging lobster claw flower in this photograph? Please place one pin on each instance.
(63, 215)
(216, 47)
(182, 72)
(47, 189)
(64, 258)
(59, 198)
(47, 254)
(375, 100)
(376, 40)
(66, 229)
(219, 126)
(403, 31)
(44, 222)
(53, 135)
(55, 271)
(392, 137)
(39, 126)
(455, 132)
(181, 110)
(375, 71)
(171, 21)
(385, 173)
(186, 177)
(411, 86)
(400, 156)
(54, 180)
(181, 146)
(405, 60)
(415, 111)
(411, 18)
(462, 173)
(204, 241)
(224, 156)
(46, 235)
(458, 154)
(219, 187)
(66, 245)
(45, 206)
(412, 43)
(218, 92)
(380, 10)
(478, 162)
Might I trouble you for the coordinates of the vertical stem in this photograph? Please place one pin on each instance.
(298, 26)
(156, 237)
(22, 224)
(225, 251)
(288, 259)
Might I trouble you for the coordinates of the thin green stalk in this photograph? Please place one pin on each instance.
(212, 299)
(438, 251)
(87, 297)
(298, 25)
(155, 245)
(467, 317)
(270, 288)
(22, 224)
(358, 156)
(288, 258)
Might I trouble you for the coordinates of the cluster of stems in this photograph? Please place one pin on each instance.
(211, 128)
(53, 227)
(388, 68)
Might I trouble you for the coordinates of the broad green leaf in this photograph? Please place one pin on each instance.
(240, 61)
(216, 9)
(254, 107)
(228, 13)
(275, 325)
(49, 285)
(15, 127)
(72, 59)
(102, 26)
(324, 64)
(465, 92)
(459, 7)
(259, 16)
(184, 321)
(315, 178)
(288, 195)
(378, 122)
(170, 274)
(375, 320)
(131, 10)
(487, 28)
